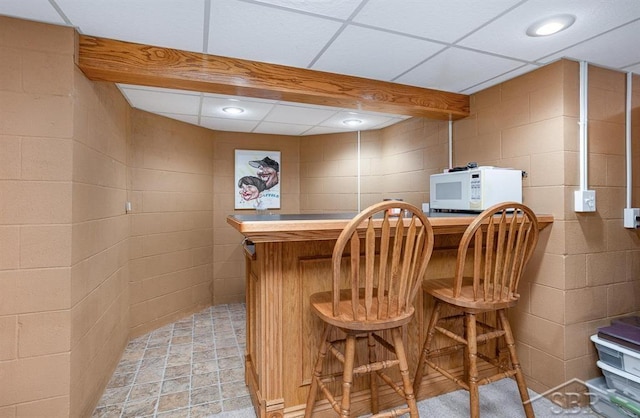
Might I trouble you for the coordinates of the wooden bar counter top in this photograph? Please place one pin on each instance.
(288, 258)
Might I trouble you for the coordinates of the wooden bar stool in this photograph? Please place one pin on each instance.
(491, 258)
(378, 265)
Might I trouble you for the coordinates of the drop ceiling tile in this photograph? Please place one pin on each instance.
(500, 78)
(442, 20)
(38, 10)
(231, 125)
(374, 54)
(340, 9)
(617, 48)
(302, 115)
(233, 97)
(633, 68)
(168, 23)
(593, 17)
(253, 110)
(369, 120)
(155, 89)
(191, 119)
(163, 102)
(260, 33)
(323, 130)
(391, 121)
(281, 128)
(457, 69)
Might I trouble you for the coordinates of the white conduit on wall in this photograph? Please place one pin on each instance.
(358, 158)
(584, 199)
(631, 216)
(450, 143)
(584, 102)
(628, 137)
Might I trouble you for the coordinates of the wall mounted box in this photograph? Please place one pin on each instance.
(632, 218)
(585, 201)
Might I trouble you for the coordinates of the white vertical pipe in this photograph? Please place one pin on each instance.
(358, 172)
(628, 137)
(584, 152)
(450, 143)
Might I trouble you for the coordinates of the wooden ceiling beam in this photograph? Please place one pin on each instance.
(102, 59)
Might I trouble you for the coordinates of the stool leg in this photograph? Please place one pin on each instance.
(347, 375)
(435, 315)
(404, 372)
(317, 371)
(373, 381)
(472, 347)
(511, 345)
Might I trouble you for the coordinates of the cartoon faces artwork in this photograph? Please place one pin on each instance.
(268, 170)
(251, 187)
(257, 177)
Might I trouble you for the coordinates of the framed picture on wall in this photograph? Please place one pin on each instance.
(257, 179)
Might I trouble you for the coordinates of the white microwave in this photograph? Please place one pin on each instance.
(474, 189)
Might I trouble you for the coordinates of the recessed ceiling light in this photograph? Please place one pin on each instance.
(551, 25)
(233, 110)
(352, 122)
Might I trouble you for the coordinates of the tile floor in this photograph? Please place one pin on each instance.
(189, 369)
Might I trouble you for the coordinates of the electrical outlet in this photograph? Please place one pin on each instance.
(632, 218)
(585, 200)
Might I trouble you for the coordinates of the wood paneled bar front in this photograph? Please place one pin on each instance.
(288, 257)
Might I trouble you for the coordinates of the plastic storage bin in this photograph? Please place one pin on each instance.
(617, 356)
(607, 402)
(625, 383)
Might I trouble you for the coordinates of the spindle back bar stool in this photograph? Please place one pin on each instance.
(492, 255)
(379, 261)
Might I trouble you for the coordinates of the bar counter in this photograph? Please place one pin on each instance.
(288, 259)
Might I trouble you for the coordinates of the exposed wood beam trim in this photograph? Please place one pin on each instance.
(130, 63)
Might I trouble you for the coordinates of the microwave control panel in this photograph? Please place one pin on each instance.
(476, 190)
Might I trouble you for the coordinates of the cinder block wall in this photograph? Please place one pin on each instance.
(36, 153)
(99, 240)
(586, 270)
(63, 234)
(171, 192)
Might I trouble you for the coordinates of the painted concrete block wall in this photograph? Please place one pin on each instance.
(329, 170)
(411, 152)
(99, 240)
(395, 162)
(171, 192)
(585, 270)
(36, 152)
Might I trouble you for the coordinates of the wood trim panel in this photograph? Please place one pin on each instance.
(270, 228)
(103, 59)
(270, 288)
